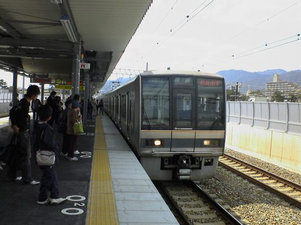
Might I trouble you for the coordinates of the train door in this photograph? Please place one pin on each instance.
(183, 116)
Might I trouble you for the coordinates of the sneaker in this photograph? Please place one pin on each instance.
(2, 163)
(72, 159)
(43, 202)
(63, 155)
(1, 167)
(57, 200)
(76, 152)
(18, 178)
(34, 182)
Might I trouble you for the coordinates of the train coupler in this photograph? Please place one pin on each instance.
(183, 174)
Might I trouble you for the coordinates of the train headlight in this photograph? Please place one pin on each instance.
(157, 142)
(211, 143)
(206, 142)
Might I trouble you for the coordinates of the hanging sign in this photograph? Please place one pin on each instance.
(68, 87)
(84, 66)
(40, 80)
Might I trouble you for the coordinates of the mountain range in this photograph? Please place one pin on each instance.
(256, 80)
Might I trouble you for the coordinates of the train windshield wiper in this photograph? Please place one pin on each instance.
(146, 119)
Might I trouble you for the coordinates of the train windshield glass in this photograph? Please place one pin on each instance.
(210, 104)
(155, 103)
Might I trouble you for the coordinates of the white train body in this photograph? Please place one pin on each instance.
(174, 121)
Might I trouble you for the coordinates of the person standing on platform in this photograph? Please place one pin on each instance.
(35, 105)
(63, 127)
(52, 103)
(72, 116)
(100, 106)
(20, 121)
(17, 101)
(45, 139)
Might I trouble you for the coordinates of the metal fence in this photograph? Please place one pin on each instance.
(280, 116)
(5, 96)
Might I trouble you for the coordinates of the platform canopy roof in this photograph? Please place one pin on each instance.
(41, 37)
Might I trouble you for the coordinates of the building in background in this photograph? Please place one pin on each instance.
(286, 89)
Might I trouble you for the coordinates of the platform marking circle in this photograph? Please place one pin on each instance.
(76, 198)
(85, 156)
(86, 153)
(77, 211)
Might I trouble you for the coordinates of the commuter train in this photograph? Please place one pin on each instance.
(173, 120)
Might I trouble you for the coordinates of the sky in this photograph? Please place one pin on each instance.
(215, 35)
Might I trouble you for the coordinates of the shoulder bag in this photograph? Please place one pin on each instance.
(78, 128)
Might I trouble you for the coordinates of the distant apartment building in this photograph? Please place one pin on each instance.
(287, 89)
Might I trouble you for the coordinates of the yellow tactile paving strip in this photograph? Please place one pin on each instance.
(101, 203)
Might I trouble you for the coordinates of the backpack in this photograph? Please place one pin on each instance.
(13, 113)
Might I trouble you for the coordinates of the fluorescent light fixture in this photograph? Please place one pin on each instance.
(68, 29)
(57, 1)
(2, 28)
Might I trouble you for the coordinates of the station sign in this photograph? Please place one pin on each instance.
(68, 87)
(70, 82)
(40, 80)
(58, 81)
(84, 66)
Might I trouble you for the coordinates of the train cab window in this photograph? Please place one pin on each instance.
(155, 103)
(210, 104)
(183, 110)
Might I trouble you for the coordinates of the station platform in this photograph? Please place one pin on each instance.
(106, 186)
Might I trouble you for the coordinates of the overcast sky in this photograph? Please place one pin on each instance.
(214, 35)
(217, 35)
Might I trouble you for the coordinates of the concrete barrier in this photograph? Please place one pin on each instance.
(280, 148)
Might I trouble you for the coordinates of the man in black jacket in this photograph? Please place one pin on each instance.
(52, 103)
(20, 124)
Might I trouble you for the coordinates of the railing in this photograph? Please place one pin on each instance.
(5, 96)
(280, 116)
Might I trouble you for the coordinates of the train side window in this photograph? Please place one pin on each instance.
(155, 103)
(123, 107)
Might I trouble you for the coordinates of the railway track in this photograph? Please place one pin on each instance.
(195, 206)
(286, 189)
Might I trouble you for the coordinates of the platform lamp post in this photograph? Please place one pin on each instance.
(87, 86)
(15, 84)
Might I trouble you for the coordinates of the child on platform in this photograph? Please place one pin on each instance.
(45, 140)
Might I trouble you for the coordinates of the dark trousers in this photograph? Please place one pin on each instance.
(101, 110)
(65, 143)
(49, 183)
(35, 115)
(72, 144)
(24, 141)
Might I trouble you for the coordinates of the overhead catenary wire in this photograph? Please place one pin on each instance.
(265, 47)
(159, 24)
(173, 30)
(256, 25)
(168, 35)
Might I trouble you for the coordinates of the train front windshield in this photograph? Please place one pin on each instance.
(210, 104)
(199, 105)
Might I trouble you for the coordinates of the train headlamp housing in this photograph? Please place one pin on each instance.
(157, 142)
(154, 142)
(211, 143)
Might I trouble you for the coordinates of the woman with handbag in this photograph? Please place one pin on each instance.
(73, 117)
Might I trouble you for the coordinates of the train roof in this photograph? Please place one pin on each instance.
(168, 72)
(179, 72)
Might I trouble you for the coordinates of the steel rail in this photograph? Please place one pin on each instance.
(221, 210)
(288, 198)
(272, 175)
